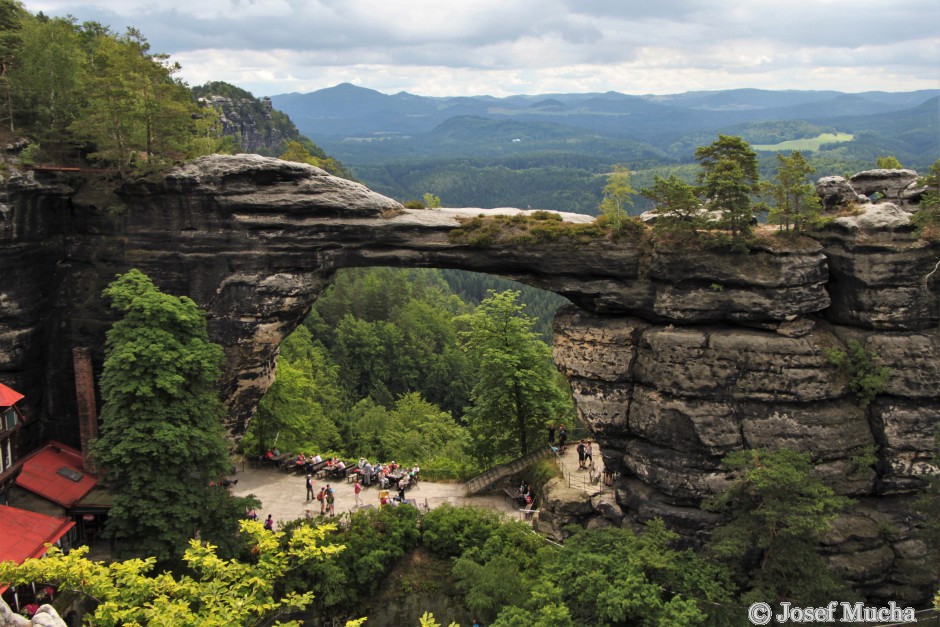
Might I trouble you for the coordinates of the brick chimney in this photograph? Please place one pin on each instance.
(85, 397)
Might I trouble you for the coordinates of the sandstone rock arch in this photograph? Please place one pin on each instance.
(676, 357)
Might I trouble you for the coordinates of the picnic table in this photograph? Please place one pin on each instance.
(515, 495)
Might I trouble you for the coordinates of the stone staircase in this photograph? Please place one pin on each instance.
(491, 476)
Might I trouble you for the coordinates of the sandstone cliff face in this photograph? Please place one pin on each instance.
(667, 401)
(676, 357)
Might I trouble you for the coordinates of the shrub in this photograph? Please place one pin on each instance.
(449, 531)
(866, 379)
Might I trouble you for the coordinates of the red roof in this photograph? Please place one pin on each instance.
(41, 474)
(9, 396)
(23, 534)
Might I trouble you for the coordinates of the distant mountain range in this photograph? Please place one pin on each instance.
(360, 125)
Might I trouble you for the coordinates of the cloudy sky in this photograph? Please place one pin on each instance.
(503, 47)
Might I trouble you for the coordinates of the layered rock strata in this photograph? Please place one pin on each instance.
(676, 356)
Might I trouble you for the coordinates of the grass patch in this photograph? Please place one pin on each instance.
(537, 227)
(810, 144)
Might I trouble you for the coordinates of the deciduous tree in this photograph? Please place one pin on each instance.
(214, 593)
(162, 441)
(618, 195)
(515, 393)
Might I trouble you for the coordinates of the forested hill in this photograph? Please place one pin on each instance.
(79, 93)
(553, 151)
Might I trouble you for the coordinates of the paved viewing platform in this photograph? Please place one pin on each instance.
(284, 494)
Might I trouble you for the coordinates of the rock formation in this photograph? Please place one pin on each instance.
(676, 356)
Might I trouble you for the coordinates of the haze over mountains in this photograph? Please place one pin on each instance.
(349, 121)
(553, 151)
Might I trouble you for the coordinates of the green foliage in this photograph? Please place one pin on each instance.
(602, 577)
(299, 152)
(888, 163)
(515, 394)
(867, 379)
(729, 176)
(677, 208)
(419, 432)
(214, 592)
(618, 194)
(777, 510)
(927, 217)
(483, 231)
(373, 542)
(796, 205)
(500, 571)
(134, 111)
(162, 441)
(449, 531)
(431, 201)
(305, 393)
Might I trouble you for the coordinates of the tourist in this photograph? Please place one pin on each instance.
(357, 488)
(330, 502)
(588, 455)
(269, 523)
(581, 454)
(310, 483)
(308, 513)
(551, 434)
(562, 437)
(321, 496)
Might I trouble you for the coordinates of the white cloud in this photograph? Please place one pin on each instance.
(463, 47)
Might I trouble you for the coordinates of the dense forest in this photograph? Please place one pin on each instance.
(385, 368)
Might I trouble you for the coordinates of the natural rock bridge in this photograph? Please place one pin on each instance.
(676, 357)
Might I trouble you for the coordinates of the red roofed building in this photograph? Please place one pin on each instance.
(24, 534)
(52, 480)
(11, 420)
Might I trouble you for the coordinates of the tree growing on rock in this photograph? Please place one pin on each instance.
(728, 179)
(618, 195)
(796, 206)
(677, 208)
(162, 443)
(777, 511)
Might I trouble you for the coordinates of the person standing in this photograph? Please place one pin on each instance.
(588, 455)
(269, 523)
(581, 454)
(309, 488)
(321, 496)
(330, 503)
(357, 488)
(551, 433)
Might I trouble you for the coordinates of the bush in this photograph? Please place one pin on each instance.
(449, 531)
(866, 379)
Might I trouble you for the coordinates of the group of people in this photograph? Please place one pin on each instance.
(380, 473)
(585, 455)
(562, 433)
(325, 496)
(527, 495)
